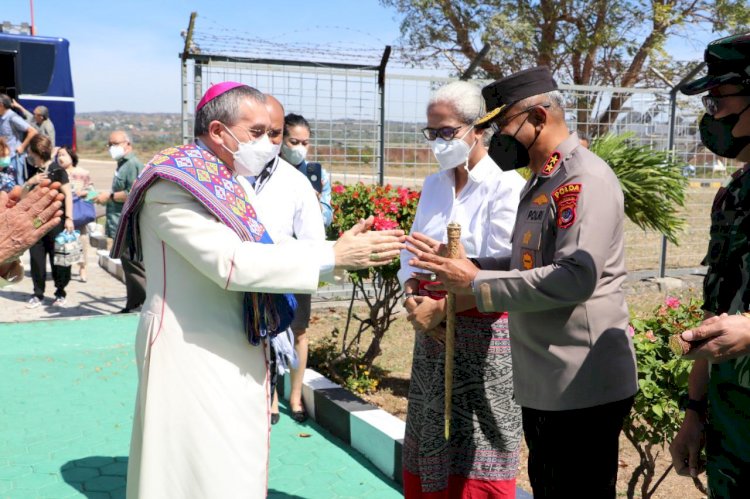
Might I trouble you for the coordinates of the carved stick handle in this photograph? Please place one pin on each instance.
(454, 238)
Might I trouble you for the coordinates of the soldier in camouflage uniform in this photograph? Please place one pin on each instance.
(719, 386)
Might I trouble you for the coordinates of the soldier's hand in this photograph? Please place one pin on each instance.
(687, 445)
(455, 275)
(724, 337)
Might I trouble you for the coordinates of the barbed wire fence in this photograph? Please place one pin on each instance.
(365, 121)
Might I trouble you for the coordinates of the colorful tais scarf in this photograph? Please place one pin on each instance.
(203, 175)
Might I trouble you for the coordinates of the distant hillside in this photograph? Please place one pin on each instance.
(150, 132)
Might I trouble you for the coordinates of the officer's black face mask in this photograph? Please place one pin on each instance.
(716, 134)
(508, 152)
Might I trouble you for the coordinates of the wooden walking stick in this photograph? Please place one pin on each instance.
(454, 238)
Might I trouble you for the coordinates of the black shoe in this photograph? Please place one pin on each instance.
(124, 311)
(299, 416)
(275, 417)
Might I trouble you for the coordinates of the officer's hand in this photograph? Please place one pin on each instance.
(687, 445)
(455, 275)
(433, 246)
(724, 337)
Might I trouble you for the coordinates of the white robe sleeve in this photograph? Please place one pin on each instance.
(217, 252)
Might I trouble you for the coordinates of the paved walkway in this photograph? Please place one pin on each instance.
(67, 394)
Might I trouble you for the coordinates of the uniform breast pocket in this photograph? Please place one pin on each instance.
(727, 236)
(530, 240)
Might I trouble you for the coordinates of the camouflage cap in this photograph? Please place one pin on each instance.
(728, 61)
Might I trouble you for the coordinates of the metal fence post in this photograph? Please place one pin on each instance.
(381, 121)
(670, 142)
(184, 77)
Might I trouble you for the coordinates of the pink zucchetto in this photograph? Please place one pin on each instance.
(216, 90)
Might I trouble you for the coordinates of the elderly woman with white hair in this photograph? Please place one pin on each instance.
(481, 457)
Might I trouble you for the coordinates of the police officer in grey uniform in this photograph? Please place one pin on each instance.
(573, 361)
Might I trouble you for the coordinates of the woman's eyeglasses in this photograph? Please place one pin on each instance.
(446, 132)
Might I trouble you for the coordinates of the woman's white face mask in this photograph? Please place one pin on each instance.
(452, 153)
(251, 156)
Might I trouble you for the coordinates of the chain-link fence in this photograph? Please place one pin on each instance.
(342, 102)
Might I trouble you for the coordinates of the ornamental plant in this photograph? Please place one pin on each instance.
(393, 207)
(651, 181)
(662, 389)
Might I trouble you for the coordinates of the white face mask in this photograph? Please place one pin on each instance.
(295, 154)
(276, 149)
(251, 156)
(116, 152)
(451, 153)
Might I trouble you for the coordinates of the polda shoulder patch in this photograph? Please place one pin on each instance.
(566, 200)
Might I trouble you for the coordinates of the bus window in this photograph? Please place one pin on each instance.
(37, 63)
(8, 73)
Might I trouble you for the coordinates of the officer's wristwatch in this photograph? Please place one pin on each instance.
(112, 196)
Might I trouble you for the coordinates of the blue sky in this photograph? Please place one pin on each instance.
(124, 54)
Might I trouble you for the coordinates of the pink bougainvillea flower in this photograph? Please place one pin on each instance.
(650, 336)
(631, 331)
(672, 302)
(383, 223)
(339, 188)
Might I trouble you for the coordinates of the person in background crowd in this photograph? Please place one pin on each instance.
(39, 120)
(40, 153)
(23, 222)
(81, 185)
(481, 457)
(294, 149)
(288, 207)
(18, 133)
(719, 385)
(574, 370)
(128, 169)
(7, 170)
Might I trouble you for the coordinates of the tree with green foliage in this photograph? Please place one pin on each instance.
(584, 42)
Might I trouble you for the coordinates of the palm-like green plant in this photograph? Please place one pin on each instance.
(651, 181)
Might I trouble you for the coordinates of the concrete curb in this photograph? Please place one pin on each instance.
(374, 433)
(111, 265)
(371, 431)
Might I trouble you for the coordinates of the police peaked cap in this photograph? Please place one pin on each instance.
(728, 61)
(503, 93)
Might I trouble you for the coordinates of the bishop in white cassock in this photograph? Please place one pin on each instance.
(201, 423)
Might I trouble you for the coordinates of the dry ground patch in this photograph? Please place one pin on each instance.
(396, 360)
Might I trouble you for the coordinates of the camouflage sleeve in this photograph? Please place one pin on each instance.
(726, 287)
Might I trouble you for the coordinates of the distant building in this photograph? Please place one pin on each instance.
(86, 124)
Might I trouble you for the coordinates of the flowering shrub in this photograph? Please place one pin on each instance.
(392, 208)
(356, 377)
(662, 387)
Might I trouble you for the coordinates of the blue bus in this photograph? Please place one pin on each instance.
(35, 70)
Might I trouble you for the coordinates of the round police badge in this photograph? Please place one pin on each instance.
(566, 216)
